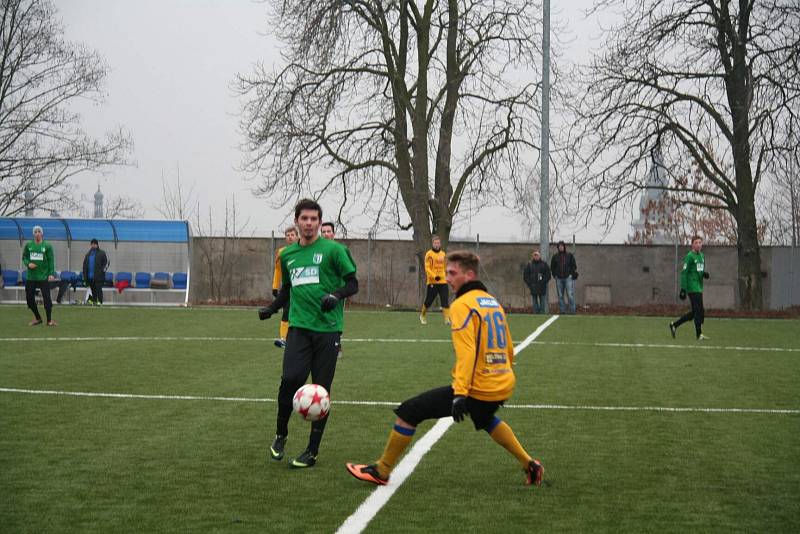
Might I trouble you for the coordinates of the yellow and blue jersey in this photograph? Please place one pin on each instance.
(483, 347)
(435, 263)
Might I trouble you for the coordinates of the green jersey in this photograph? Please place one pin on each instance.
(694, 265)
(42, 255)
(314, 271)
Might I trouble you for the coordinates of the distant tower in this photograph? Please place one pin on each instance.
(28, 204)
(98, 204)
(654, 203)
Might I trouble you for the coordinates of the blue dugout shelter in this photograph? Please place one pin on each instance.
(137, 250)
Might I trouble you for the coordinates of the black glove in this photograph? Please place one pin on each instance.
(682, 294)
(264, 313)
(274, 292)
(459, 408)
(706, 275)
(329, 302)
(436, 278)
(575, 275)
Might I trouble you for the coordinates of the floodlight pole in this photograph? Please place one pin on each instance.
(544, 186)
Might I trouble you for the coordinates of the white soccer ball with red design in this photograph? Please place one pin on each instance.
(311, 402)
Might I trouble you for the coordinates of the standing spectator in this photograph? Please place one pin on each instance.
(435, 260)
(692, 276)
(319, 276)
(38, 257)
(290, 235)
(95, 264)
(536, 276)
(565, 271)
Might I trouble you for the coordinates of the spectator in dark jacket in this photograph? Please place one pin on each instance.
(565, 271)
(95, 264)
(536, 276)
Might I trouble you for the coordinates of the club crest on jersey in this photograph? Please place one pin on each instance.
(487, 302)
(318, 258)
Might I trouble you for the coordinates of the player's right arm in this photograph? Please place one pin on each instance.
(277, 272)
(26, 256)
(687, 264)
(430, 269)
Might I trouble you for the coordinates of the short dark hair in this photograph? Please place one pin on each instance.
(290, 229)
(696, 237)
(307, 204)
(94, 242)
(468, 261)
(328, 223)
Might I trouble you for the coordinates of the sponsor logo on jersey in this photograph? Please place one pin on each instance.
(318, 258)
(37, 256)
(305, 275)
(700, 267)
(487, 302)
(494, 358)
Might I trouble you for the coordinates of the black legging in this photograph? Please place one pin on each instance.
(431, 293)
(97, 290)
(697, 313)
(30, 295)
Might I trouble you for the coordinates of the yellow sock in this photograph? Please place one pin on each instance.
(446, 313)
(399, 438)
(423, 311)
(503, 435)
(284, 329)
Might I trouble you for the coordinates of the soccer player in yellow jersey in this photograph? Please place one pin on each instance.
(482, 377)
(435, 280)
(290, 234)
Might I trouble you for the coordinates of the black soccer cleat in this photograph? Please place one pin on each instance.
(673, 329)
(276, 449)
(280, 343)
(306, 459)
(534, 473)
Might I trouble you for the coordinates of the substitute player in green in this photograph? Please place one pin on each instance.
(39, 259)
(318, 275)
(692, 276)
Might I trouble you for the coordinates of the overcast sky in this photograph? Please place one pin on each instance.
(172, 63)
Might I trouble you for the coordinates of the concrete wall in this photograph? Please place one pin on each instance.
(616, 275)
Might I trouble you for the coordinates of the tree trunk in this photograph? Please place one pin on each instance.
(749, 253)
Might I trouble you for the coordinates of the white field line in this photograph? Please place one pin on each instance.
(667, 409)
(519, 346)
(359, 519)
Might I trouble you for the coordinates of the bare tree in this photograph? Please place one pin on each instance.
(219, 250)
(400, 109)
(42, 144)
(714, 80)
(176, 201)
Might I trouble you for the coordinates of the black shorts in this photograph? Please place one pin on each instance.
(438, 402)
(432, 291)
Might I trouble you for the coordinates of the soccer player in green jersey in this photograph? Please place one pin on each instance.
(692, 276)
(39, 259)
(318, 275)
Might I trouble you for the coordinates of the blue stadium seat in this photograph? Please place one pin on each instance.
(179, 280)
(109, 279)
(68, 276)
(10, 277)
(24, 276)
(142, 280)
(161, 277)
(124, 276)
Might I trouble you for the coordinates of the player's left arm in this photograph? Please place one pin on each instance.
(51, 261)
(465, 332)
